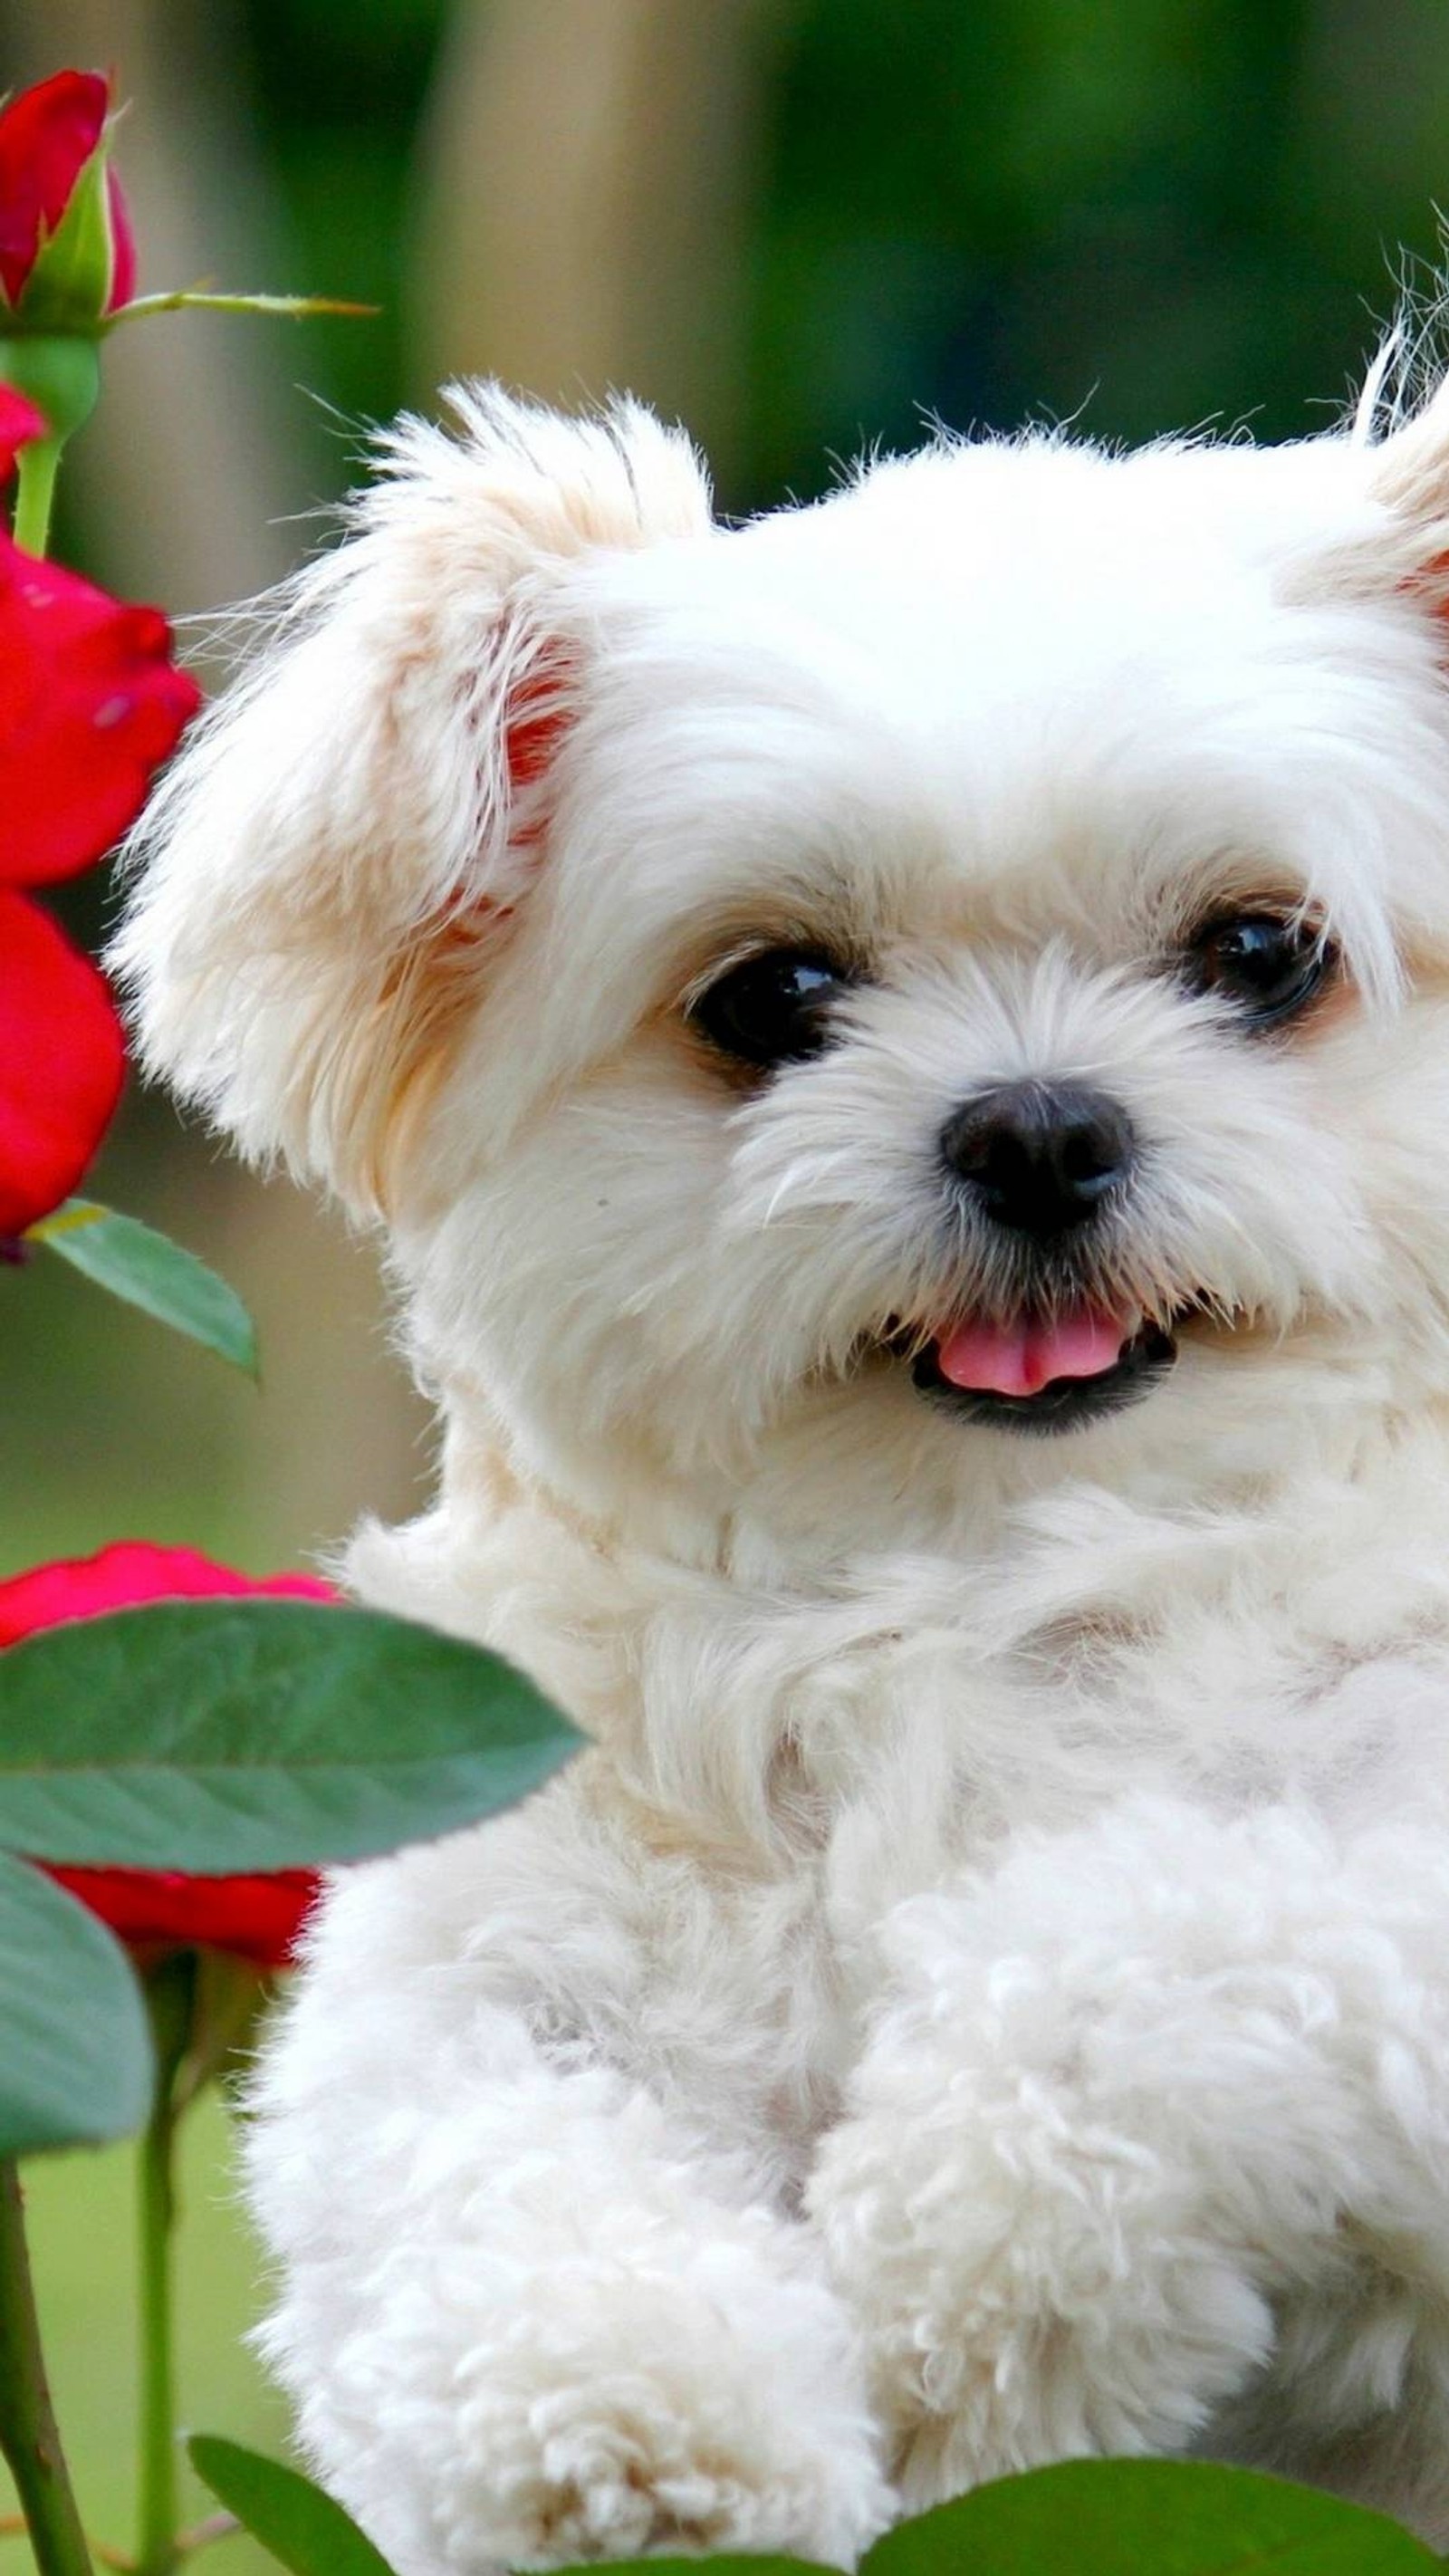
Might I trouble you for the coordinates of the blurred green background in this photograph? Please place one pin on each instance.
(801, 225)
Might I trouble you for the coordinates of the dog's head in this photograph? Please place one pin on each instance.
(822, 1000)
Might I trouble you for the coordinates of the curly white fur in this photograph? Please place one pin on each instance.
(985, 1993)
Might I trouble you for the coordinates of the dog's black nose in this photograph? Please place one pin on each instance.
(1039, 1156)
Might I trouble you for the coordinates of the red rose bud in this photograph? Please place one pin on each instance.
(68, 263)
(67, 254)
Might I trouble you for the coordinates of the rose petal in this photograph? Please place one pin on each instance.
(47, 135)
(124, 1575)
(19, 423)
(62, 1062)
(123, 245)
(90, 705)
(252, 1918)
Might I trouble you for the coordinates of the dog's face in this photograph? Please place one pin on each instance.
(941, 991)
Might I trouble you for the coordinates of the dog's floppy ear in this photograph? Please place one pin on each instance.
(1409, 474)
(324, 868)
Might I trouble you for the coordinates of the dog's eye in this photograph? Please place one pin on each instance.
(1269, 967)
(773, 1008)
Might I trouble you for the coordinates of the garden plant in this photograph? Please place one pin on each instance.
(183, 1748)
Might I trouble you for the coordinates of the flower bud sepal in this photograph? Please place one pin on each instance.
(77, 268)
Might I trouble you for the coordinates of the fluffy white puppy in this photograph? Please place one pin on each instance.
(818, 1006)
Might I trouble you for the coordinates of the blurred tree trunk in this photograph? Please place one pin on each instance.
(182, 485)
(587, 197)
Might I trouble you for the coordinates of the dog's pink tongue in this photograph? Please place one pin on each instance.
(1020, 1359)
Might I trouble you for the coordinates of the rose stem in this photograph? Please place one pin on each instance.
(28, 2433)
(35, 490)
(168, 1992)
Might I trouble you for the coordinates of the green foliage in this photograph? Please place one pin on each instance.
(1153, 213)
(1086, 2518)
(291, 2517)
(257, 1734)
(724, 2562)
(146, 1269)
(75, 2052)
(1147, 2518)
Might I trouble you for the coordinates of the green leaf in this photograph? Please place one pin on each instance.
(1089, 2518)
(284, 2511)
(1147, 2518)
(312, 2536)
(258, 1734)
(720, 2563)
(146, 1269)
(75, 2052)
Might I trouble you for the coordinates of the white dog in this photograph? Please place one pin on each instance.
(817, 1005)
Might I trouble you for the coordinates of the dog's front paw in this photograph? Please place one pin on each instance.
(1028, 2298)
(632, 2413)
(1057, 2203)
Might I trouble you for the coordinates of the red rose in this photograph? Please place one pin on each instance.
(49, 137)
(255, 1918)
(61, 1064)
(90, 704)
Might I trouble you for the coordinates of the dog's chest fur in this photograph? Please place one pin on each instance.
(777, 1769)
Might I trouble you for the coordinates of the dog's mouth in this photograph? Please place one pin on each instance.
(1042, 1373)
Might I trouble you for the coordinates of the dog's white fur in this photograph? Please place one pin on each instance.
(985, 1994)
